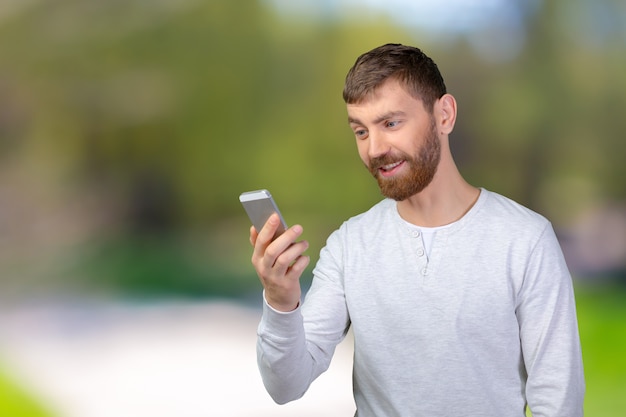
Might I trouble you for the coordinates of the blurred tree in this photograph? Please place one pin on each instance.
(546, 124)
(165, 111)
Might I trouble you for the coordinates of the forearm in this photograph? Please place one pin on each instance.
(550, 339)
(295, 348)
(285, 364)
(555, 386)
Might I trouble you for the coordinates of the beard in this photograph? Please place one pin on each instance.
(421, 169)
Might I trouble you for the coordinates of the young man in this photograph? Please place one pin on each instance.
(459, 299)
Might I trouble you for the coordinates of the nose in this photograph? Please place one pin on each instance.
(378, 145)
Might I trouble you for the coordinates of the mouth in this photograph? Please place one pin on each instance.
(390, 169)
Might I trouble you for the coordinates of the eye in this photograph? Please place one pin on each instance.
(360, 133)
(392, 123)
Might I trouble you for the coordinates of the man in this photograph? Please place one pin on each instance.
(459, 299)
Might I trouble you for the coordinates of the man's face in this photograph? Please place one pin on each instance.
(397, 140)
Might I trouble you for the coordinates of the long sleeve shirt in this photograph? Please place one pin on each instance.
(484, 326)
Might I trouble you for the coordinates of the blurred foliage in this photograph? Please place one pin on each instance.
(128, 129)
(602, 323)
(17, 403)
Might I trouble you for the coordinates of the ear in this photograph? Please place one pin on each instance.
(445, 113)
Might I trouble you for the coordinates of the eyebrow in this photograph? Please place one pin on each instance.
(382, 117)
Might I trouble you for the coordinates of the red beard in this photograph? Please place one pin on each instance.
(422, 168)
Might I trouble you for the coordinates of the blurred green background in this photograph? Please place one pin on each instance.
(129, 128)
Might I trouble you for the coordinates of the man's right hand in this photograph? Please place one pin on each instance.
(279, 263)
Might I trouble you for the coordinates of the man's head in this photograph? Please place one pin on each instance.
(415, 71)
(400, 114)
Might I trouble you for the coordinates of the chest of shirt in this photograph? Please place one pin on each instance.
(461, 289)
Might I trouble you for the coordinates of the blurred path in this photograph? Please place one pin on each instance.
(154, 360)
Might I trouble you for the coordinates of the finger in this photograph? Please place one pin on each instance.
(253, 235)
(264, 237)
(298, 267)
(289, 257)
(266, 234)
(285, 248)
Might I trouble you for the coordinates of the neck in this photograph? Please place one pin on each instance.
(445, 200)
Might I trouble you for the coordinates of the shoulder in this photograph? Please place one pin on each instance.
(501, 208)
(501, 218)
(366, 225)
(379, 215)
(357, 235)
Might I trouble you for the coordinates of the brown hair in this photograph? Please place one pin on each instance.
(409, 65)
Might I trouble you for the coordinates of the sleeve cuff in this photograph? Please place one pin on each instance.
(266, 305)
(282, 324)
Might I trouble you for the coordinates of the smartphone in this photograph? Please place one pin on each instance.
(260, 206)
